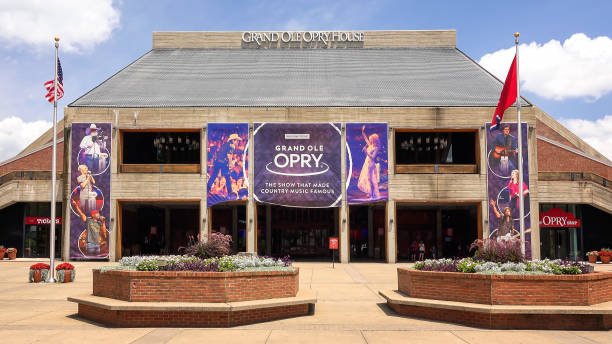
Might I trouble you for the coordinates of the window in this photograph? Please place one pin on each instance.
(436, 151)
(149, 151)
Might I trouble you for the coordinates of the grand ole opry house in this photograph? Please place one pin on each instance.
(285, 139)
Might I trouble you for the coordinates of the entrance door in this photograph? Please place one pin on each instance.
(367, 232)
(230, 219)
(560, 243)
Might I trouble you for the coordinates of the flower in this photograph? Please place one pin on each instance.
(605, 252)
(65, 266)
(39, 266)
(592, 253)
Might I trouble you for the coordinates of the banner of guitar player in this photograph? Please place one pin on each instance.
(298, 164)
(367, 163)
(503, 185)
(90, 184)
(227, 162)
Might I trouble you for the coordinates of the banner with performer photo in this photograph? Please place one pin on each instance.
(90, 180)
(503, 182)
(298, 164)
(367, 163)
(227, 162)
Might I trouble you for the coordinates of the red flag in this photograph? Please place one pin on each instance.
(507, 97)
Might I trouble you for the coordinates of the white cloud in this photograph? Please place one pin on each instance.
(15, 135)
(597, 133)
(581, 67)
(80, 24)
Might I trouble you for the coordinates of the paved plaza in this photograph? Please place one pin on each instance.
(349, 310)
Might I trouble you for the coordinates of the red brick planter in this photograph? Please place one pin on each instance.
(186, 286)
(567, 290)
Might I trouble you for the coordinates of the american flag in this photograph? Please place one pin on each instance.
(49, 85)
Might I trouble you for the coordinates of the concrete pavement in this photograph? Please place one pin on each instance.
(349, 310)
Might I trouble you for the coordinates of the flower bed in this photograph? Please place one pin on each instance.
(469, 265)
(507, 289)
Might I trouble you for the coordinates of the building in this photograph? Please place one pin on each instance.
(182, 127)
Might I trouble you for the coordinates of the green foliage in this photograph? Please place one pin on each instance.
(467, 265)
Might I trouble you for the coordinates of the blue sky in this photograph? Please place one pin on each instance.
(99, 37)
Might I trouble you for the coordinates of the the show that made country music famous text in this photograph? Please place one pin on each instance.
(227, 162)
(367, 163)
(298, 164)
(90, 184)
(503, 183)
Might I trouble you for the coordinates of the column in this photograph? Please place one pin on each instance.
(268, 230)
(344, 233)
(235, 229)
(391, 233)
(204, 173)
(251, 233)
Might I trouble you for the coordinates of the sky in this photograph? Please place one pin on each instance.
(565, 56)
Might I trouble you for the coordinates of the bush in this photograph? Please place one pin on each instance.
(499, 251)
(218, 245)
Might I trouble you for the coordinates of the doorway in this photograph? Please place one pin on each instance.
(445, 231)
(561, 243)
(301, 233)
(157, 228)
(230, 219)
(367, 232)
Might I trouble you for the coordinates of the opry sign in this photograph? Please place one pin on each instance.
(324, 37)
(556, 217)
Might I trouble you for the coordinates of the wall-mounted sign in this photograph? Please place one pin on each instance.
(366, 163)
(227, 162)
(503, 182)
(557, 218)
(89, 201)
(323, 37)
(298, 164)
(42, 220)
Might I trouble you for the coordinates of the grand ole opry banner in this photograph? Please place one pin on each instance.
(90, 184)
(298, 164)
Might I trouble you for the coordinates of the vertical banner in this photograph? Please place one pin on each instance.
(298, 164)
(502, 183)
(367, 163)
(91, 185)
(227, 162)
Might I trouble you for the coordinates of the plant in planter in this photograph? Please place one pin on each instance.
(39, 272)
(65, 273)
(592, 255)
(605, 254)
(12, 253)
(2, 252)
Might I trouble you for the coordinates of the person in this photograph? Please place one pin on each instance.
(421, 250)
(432, 251)
(223, 161)
(505, 150)
(505, 224)
(370, 172)
(95, 229)
(413, 250)
(91, 148)
(513, 188)
(86, 182)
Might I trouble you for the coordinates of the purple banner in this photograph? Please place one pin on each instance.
(90, 184)
(227, 162)
(367, 163)
(298, 164)
(502, 183)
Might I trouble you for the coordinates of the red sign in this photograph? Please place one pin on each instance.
(333, 243)
(557, 218)
(42, 220)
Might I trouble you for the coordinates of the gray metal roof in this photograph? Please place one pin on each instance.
(297, 77)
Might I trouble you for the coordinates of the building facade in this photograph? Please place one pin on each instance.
(199, 135)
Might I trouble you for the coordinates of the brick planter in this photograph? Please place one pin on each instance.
(565, 290)
(187, 286)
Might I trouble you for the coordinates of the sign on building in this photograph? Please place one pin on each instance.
(367, 163)
(90, 180)
(298, 164)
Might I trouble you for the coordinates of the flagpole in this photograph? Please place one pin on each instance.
(53, 168)
(520, 146)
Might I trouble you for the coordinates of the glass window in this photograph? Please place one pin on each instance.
(161, 147)
(419, 147)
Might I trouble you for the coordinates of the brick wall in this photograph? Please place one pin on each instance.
(39, 161)
(570, 290)
(186, 286)
(556, 159)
